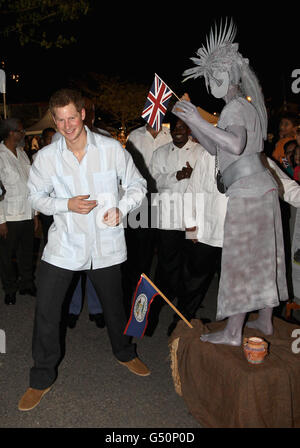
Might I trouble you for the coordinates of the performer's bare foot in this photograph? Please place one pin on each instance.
(232, 333)
(264, 322)
(220, 337)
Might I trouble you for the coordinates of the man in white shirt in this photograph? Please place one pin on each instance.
(171, 167)
(17, 222)
(76, 180)
(140, 237)
(146, 140)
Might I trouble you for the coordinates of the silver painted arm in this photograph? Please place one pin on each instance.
(232, 140)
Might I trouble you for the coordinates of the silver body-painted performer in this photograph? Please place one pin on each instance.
(253, 266)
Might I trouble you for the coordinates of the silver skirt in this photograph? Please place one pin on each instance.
(253, 265)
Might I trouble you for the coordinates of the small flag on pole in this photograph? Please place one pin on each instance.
(156, 104)
(2, 81)
(142, 299)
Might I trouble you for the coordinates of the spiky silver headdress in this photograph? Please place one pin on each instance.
(221, 55)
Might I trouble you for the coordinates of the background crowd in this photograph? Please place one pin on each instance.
(181, 267)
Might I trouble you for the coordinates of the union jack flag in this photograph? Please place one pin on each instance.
(156, 104)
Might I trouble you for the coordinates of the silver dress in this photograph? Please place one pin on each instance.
(253, 264)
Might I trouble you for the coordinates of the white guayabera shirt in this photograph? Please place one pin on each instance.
(77, 241)
(146, 144)
(165, 163)
(14, 172)
(209, 207)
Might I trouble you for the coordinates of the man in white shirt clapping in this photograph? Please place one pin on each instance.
(171, 167)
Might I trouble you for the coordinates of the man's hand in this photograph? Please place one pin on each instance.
(3, 230)
(191, 234)
(80, 204)
(185, 173)
(112, 217)
(36, 223)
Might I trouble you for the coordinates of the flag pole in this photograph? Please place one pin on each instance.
(168, 86)
(3, 90)
(167, 300)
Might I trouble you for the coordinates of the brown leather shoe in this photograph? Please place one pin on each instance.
(137, 367)
(31, 398)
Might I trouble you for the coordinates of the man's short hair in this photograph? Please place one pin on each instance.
(8, 125)
(63, 97)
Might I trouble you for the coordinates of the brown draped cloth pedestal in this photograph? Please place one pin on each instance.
(222, 390)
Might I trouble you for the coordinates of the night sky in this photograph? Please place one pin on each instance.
(135, 42)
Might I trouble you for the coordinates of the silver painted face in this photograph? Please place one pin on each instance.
(219, 84)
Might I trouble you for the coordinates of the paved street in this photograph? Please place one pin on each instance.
(92, 390)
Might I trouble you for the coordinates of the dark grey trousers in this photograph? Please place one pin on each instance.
(52, 285)
(201, 263)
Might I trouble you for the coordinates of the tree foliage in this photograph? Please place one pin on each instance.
(121, 101)
(44, 22)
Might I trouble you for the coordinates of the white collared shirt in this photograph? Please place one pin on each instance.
(14, 172)
(165, 163)
(208, 209)
(146, 144)
(77, 241)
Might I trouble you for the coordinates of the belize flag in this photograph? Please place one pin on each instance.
(156, 104)
(143, 297)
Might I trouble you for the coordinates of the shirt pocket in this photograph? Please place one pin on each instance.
(105, 182)
(72, 246)
(112, 241)
(16, 206)
(10, 177)
(106, 193)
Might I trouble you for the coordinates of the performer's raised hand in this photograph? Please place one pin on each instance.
(187, 112)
